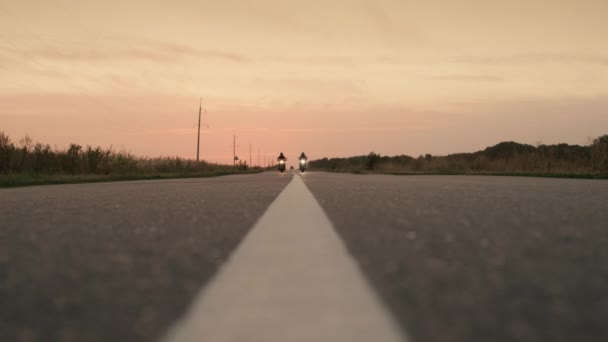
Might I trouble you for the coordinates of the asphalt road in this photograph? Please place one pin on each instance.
(463, 258)
(291, 280)
(117, 261)
(454, 258)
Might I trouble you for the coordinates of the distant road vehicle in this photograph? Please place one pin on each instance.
(303, 162)
(282, 160)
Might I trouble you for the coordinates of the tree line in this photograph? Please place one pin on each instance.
(505, 157)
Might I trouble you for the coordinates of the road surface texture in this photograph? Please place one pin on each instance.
(118, 261)
(441, 258)
(290, 280)
(463, 258)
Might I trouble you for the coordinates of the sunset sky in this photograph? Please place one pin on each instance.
(332, 78)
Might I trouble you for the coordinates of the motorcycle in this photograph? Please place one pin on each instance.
(303, 164)
(282, 166)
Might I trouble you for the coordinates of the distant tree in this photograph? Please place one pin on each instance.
(6, 149)
(94, 157)
(603, 140)
(599, 154)
(508, 149)
(372, 161)
(26, 143)
(43, 158)
(73, 158)
(5, 140)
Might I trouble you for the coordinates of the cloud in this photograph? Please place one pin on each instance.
(342, 129)
(391, 26)
(188, 51)
(337, 60)
(134, 51)
(468, 78)
(536, 58)
(299, 85)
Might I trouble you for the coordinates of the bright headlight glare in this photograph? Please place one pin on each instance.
(302, 161)
(281, 162)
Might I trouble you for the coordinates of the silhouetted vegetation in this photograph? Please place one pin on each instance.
(27, 162)
(503, 158)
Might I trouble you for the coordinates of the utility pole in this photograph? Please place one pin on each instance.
(259, 165)
(198, 139)
(249, 155)
(234, 148)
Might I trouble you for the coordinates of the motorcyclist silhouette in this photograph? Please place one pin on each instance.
(303, 162)
(281, 160)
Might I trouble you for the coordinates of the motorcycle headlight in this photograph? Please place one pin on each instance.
(302, 161)
(281, 162)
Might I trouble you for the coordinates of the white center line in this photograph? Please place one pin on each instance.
(290, 280)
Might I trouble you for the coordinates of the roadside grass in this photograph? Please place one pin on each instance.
(25, 163)
(20, 180)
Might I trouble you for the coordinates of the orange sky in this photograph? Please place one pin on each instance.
(332, 78)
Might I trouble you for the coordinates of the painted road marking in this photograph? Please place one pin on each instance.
(290, 280)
